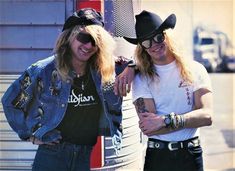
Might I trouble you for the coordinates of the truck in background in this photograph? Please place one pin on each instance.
(227, 53)
(214, 50)
(206, 49)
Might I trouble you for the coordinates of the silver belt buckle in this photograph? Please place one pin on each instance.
(176, 148)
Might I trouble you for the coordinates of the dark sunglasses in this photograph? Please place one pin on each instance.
(85, 38)
(157, 38)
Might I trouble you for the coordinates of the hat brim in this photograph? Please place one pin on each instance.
(169, 22)
(131, 40)
(70, 22)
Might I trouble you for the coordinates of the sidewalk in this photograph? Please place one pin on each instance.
(218, 140)
(219, 152)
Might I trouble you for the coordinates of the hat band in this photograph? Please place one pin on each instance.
(71, 22)
(82, 21)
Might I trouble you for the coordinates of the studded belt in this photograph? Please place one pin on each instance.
(173, 145)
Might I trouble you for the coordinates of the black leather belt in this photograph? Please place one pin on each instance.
(173, 145)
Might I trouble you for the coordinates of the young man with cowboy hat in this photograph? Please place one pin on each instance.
(172, 96)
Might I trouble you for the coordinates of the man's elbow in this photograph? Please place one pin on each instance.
(208, 117)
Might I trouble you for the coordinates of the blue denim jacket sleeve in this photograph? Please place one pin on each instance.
(29, 103)
(114, 106)
(16, 100)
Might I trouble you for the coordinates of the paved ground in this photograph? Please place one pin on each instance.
(219, 139)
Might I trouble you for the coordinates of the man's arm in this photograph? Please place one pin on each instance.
(123, 81)
(149, 122)
(203, 109)
(125, 70)
(199, 117)
(143, 105)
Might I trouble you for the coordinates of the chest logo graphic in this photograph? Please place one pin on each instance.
(80, 98)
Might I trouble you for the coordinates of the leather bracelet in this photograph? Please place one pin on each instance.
(132, 65)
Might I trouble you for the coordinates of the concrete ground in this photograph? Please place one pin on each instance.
(218, 141)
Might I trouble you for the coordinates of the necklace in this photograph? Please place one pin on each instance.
(81, 82)
(79, 75)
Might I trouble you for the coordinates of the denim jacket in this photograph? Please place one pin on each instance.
(36, 103)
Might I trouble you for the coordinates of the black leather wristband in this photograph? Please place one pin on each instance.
(132, 65)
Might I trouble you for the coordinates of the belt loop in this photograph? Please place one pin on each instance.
(150, 144)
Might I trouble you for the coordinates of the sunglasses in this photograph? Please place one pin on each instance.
(85, 38)
(157, 38)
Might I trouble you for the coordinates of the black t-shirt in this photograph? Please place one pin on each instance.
(81, 121)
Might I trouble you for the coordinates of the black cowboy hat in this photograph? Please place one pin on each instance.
(148, 23)
(85, 16)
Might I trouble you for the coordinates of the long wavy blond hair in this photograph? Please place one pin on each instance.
(146, 65)
(102, 60)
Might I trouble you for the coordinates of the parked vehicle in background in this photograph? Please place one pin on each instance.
(214, 50)
(206, 49)
(228, 60)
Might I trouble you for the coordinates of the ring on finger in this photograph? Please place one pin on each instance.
(126, 86)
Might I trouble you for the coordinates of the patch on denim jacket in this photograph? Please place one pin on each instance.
(56, 83)
(23, 97)
(25, 82)
(40, 85)
(20, 100)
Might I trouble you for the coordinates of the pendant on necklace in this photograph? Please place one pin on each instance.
(83, 86)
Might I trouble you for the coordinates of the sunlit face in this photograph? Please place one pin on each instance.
(83, 47)
(158, 52)
(157, 47)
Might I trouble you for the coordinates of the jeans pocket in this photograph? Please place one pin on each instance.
(49, 158)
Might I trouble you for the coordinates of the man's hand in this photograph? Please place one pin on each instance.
(150, 123)
(123, 81)
(36, 141)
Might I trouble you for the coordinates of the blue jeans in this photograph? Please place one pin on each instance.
(189, 159)
(62, 157)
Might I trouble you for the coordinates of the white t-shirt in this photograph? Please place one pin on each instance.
(172, 94)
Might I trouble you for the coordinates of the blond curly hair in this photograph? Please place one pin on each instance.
(102, 60)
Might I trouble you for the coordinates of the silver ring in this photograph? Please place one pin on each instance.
(126, 86)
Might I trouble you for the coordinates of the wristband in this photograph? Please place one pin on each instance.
(132, 65)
